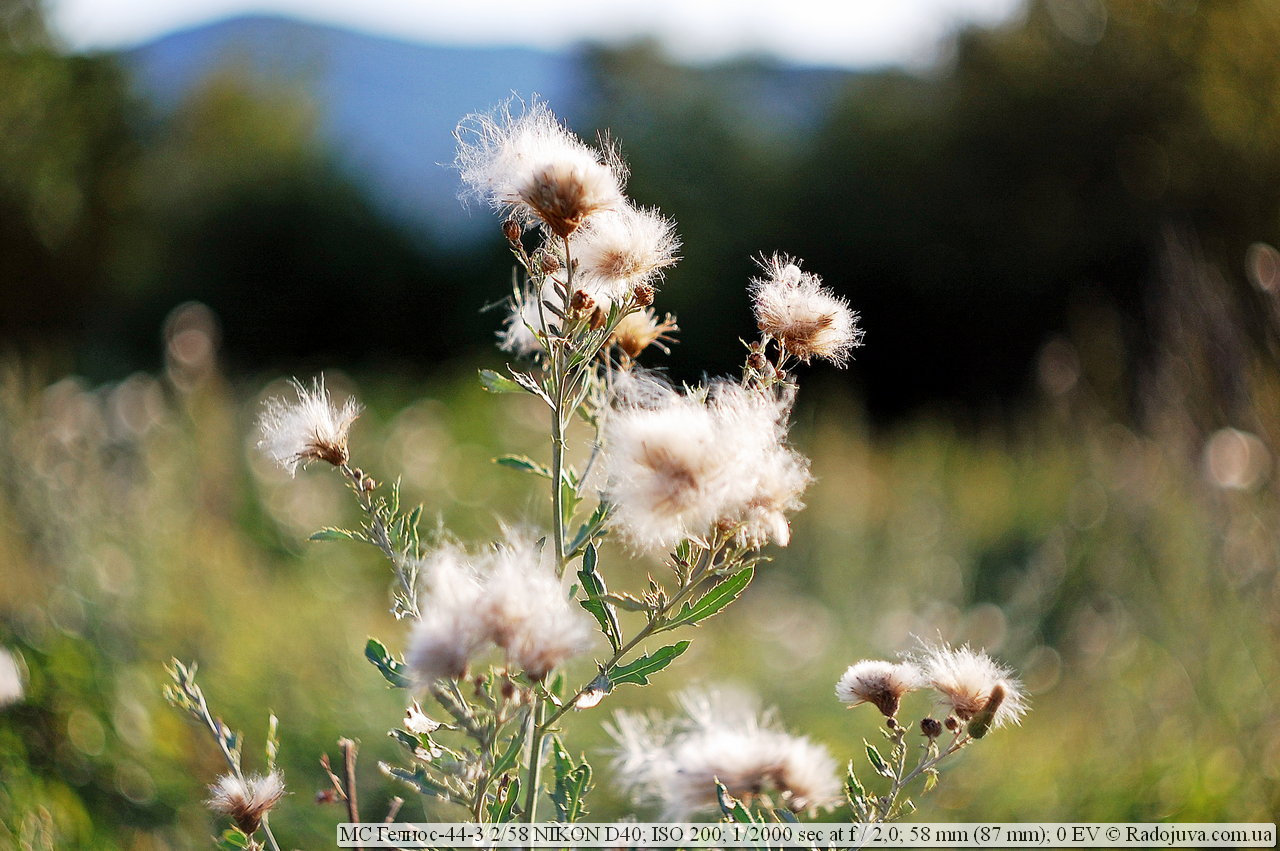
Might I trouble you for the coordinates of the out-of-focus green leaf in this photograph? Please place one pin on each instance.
(392, 670)
(497, 383)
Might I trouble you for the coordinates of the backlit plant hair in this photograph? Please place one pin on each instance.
(491, 653)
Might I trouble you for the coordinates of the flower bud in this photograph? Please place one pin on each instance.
(511, 230)
(931, 727)
(980, 724)
(643, 295)
(757, 361)
(549, 262)
(581, 304)
(951, 723)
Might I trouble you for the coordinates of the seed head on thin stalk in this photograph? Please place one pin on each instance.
(882, 684)
(970, 682)
(246, 799)
(527, 163)
(295, 433)
(807, 319)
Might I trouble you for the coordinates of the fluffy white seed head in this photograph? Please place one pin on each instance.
(509, 597)
(676, 764)
(295, 433)
(527, 163)
(621, 249)
(882, 684)
(968, 679)
(448, 632)
(526, 610)
(246, 800)
(807, 319)
(677, 464)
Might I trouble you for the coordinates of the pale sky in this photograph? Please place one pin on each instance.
(852, 33)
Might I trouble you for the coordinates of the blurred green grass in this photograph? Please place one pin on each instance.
(1138, 598)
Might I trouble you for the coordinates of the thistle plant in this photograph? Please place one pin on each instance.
(701, 478)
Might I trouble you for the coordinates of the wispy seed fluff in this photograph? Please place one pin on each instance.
(641, 329)
(969, 680)
(246, 800)
(807, 319)
(621, 249)
(677, 464)
(526, 610)
(882, 684)
(509, 597)
(528, 164)
(675, 764)
(295, 433)
(528, 319)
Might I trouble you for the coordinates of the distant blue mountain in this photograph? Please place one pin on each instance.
(388, 107)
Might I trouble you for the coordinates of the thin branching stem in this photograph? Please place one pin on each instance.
(232, 762)
(885, 805)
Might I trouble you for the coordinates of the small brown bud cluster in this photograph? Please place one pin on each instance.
(581, 304)
(931, 727)
(643, 295)
(511, 230)
(549, 263)
(363, 482)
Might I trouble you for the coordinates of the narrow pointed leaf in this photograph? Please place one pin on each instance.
(497, 383)
(523, 464)
(638, 672)
(509, 756)
(331, 533)
(877, 762)
(714, 600)
(502, 809)
(593, 586)
(392, 670)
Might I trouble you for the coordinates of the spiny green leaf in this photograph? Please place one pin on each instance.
(497, 383)
(591, 529)
(502, 808)
(392, 670)
(638, 672)
(509, 756)
(714, 600)
(571, 783)
(523, 464)
(417, 779)
(852, 784)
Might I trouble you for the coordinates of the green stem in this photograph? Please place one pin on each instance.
(535, 760)
(901, 781)
(654, 625)
(232, 763)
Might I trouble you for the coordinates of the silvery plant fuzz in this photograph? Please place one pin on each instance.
(499, 643)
